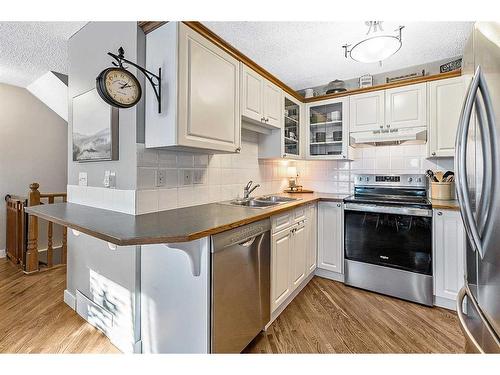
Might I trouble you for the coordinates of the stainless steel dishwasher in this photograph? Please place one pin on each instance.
(240, 286)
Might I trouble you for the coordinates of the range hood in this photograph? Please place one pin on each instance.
(388, 137)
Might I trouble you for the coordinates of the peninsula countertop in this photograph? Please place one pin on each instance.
(177, 225)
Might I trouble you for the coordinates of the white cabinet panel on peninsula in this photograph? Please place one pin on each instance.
(200, 92)
(449, 256)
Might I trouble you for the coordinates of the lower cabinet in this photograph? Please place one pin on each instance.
(449, 256)
(331, 236)
(311, 238)
(291, 252)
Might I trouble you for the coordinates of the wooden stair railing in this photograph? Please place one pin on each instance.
(22, 231)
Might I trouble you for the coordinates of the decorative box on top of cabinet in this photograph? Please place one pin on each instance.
(200, 92)
(285, 142)
(445, 100)
(327, 130)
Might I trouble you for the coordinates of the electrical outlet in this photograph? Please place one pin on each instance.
(161, 177)
(112, 180)
(106, 178)
(187, 176)
(82, 179)
(198, 176)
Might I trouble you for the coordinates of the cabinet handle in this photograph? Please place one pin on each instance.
(388, 126)
(284, 155)
(338, 204)
(440, 213)
(263, 119)
(267, 119)
(238, 149)
(433, 154)
(381, 126)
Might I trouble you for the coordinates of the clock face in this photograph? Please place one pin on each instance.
(119, 87)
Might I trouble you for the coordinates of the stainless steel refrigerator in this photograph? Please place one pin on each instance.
(477, 167)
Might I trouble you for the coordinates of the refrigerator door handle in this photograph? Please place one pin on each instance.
(460, 165)
(490, 163)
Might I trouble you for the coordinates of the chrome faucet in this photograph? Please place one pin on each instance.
(248, 189)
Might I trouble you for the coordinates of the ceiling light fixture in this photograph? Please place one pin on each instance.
(375, 48)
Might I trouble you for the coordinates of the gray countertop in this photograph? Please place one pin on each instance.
(178, 225)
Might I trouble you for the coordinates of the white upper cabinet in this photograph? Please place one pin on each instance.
(251, 94)
(367, 111)
(327, 132)
(449, 253)
(446, 98)
(406, 107)
(272, 107)
(331, 236)
(261, 101)
(200, 92)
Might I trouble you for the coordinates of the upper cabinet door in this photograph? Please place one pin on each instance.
(446, 98)
(209, 91)
(367, 111)
(272, 106)
(251, 94)
(406, 107)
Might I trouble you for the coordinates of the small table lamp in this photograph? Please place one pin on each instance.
(291, 173)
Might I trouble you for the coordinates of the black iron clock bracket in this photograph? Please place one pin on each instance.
(154, 80)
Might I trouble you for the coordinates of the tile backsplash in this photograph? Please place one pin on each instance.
(189, 179)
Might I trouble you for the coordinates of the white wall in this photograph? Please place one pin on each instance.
(33, 147)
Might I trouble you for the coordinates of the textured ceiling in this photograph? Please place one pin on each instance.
(307, 54)
(30, 49)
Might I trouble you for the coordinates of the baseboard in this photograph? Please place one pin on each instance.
(329, 274)
(3, 253)
(445, 303)
(69, 299)
(290, 298)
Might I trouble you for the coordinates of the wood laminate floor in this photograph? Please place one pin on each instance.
(34, 318)
(326, 317)
(329, 317)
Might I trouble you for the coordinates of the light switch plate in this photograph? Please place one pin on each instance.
(106, 178)
(198, 176)
(82, 179)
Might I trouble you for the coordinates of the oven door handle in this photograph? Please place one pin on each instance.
(410, 211)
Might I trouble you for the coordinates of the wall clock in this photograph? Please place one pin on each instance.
(120, 88)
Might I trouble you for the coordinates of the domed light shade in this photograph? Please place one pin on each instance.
(376, 48)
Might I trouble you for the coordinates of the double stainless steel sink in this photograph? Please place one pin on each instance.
(261, 202)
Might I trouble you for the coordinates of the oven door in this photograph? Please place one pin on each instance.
(397, 237)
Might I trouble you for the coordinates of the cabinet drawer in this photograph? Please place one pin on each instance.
(299, 214)
(281, 221)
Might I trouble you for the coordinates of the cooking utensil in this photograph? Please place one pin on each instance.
(439, 176)
(430, 174)
(448, 174)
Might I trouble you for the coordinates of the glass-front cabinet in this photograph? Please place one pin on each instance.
(291, 128)
(327, 132)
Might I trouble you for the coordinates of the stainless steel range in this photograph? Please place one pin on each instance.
(388, 236)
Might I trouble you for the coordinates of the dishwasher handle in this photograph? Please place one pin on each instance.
(242, 236)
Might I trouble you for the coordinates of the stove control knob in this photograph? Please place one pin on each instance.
(410, 179)
(361, 179)
(419, 179)
(367, 179)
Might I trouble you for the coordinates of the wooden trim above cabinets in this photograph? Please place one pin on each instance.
(221, 43)
(385, 86)
(148, 26)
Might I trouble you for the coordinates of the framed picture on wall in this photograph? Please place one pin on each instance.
(95, 128)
